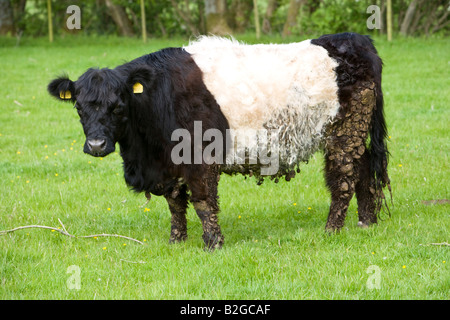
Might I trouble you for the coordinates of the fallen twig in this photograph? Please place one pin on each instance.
(436, 244)
(37, 226)
(110, 235)
(441, 244)
(132, 261)
(64, 232)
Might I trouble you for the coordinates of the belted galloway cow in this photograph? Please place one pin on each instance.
(182, 116)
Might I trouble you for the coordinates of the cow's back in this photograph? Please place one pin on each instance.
(290, 88)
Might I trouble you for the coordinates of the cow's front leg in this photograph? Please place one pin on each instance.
(205, 200)
(212, 236)
(178, 202)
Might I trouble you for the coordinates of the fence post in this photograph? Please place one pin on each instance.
(144, 29)
(256, 13)
(389, 19)
(50, 21)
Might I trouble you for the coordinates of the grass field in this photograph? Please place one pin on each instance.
(275, 244)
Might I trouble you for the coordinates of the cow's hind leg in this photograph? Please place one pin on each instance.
(347, 167)
(205, 200)
(365, 193)
(340, 178)
(178, 202)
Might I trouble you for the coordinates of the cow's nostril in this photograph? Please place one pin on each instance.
(96, 145)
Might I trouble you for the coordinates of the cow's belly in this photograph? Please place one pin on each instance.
(288, 90)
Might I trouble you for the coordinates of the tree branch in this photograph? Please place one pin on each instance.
(64, 232)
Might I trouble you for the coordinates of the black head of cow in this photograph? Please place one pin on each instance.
(102, 98)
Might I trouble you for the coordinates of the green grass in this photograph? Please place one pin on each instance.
(273, 248)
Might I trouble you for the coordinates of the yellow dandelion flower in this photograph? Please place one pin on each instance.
(404, 267)
(45, 146)
(28, 181)
(145, 240)
(104, 248)
(18, 152)
(95, 237)
(309, 208)
(124, 244)
(239, 217)
(53, 230)
(373, 252)
(443, 261)
(295, 203)
(298, 211)
(109, 209)
(56, 174)
(400, 165)
(146, 209)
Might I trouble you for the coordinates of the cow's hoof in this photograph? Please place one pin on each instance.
(177, 236)
(362, 225)
(330, 229)
(213, 242)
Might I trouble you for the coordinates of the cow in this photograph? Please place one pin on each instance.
(179, 115)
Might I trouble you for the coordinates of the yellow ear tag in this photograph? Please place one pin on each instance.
(65, 95)
(138, 88)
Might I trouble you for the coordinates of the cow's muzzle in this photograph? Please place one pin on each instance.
(97, 147)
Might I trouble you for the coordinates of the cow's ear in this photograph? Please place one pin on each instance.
(140, 79)
(62, 88)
